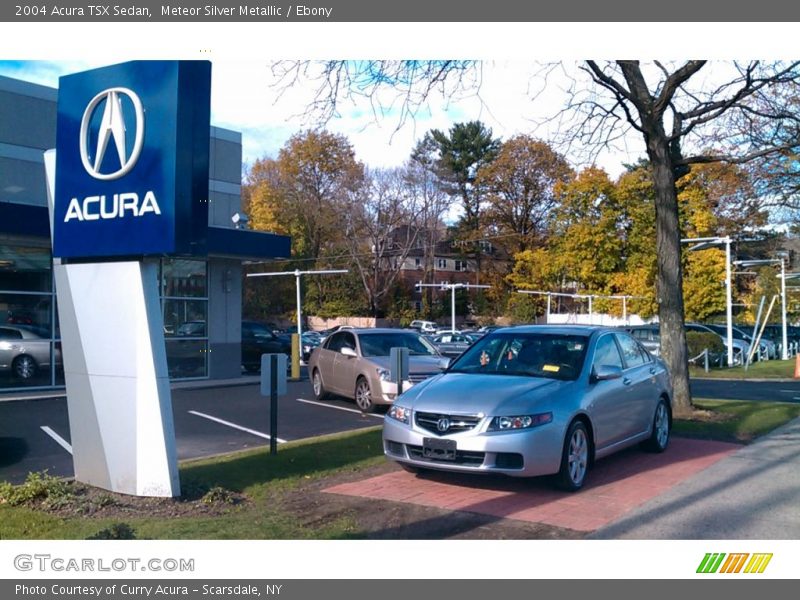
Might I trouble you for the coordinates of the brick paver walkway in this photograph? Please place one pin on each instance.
(616, 485)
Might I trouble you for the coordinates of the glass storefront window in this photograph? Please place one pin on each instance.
(184, 292)
(31, 311)
(25, 269)
(183, 278)
(186, 358)
(185, 318)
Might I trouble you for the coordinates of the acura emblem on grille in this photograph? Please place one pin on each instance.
(443, 424)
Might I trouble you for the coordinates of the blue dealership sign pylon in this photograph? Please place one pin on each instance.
(127, 185)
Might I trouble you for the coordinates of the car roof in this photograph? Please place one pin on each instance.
(585, 330)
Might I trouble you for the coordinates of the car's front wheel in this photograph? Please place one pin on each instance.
(364, 396)
(659, 439)
(24, 367)
(574, 459)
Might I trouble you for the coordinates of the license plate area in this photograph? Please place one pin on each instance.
(438, 449)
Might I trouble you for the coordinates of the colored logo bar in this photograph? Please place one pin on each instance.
(736, 562)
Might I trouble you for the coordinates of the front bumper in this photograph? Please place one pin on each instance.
(523, 453)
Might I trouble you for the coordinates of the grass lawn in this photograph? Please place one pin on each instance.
(768, 369)
(263, 479)
(736, 420)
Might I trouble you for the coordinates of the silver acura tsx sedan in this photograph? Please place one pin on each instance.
(534, 400)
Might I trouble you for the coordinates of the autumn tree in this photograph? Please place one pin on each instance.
(521, 186)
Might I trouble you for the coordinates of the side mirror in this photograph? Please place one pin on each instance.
(606, 372)
(349, 352)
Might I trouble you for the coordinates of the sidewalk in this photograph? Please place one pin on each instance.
(752, 494)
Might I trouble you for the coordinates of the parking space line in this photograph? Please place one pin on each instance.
(235, 426)
(352, 410)
(58, 439)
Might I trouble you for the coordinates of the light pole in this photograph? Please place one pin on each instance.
(297, 274)
(704, 244)
(775, 261)
(452, 287)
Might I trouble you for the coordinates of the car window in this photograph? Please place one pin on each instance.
(380, 344)
(553, 356)
(631, 352)
(348, 341)
(606, 353)
(641, 334)
(334, 342)
(10, 334)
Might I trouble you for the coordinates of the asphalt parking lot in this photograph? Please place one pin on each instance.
(34, 434)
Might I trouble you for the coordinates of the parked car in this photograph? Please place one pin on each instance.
(648, 336)
(451, 344)
(23, 352)
(740, 348)
(766, 346)
(355, 363)
(534, 400)
(423, 326)
(258, 339)
(311, 339)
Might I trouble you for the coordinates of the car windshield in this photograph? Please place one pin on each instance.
(380, 344)
(552, 356)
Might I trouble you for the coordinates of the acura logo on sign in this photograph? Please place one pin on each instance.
(112, 125)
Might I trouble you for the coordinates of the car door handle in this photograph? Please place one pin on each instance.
(626, 381)
(652, 370)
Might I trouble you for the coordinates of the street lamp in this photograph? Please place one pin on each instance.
(297, 274)
(773, 261)
(704, 244)
(452, 287)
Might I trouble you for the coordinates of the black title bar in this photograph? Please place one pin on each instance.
(496, 11)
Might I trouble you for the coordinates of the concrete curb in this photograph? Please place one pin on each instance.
(751, 380)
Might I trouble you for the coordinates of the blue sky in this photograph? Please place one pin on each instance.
(245, 98)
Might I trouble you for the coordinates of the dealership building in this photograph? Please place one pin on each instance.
(201, 296)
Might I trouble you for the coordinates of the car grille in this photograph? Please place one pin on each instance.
(474, 459)
(417, 377)
(458, 423)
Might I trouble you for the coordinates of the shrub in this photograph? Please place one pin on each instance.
(37, 486)
(117, 531)
(697, 341)
(218, 495)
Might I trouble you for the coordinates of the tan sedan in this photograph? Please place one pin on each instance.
(355, 363)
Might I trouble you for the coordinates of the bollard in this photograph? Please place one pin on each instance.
(705, 352)
(295, 357)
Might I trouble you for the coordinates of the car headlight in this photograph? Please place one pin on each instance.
(399, 413)
(384, 374)
(520, 422)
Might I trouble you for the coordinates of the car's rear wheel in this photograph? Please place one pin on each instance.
(24, 367)
(659, 439)
(574, 458)
(364, 396)
(316, 383)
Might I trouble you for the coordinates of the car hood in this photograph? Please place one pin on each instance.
(487, 394)
(416, 364)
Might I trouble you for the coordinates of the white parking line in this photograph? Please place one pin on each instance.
(59, 440)
(235, 426)
(352, 410)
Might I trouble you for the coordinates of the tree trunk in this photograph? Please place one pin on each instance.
(669, 279)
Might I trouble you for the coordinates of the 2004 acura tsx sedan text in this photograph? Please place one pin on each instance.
(534, 400)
